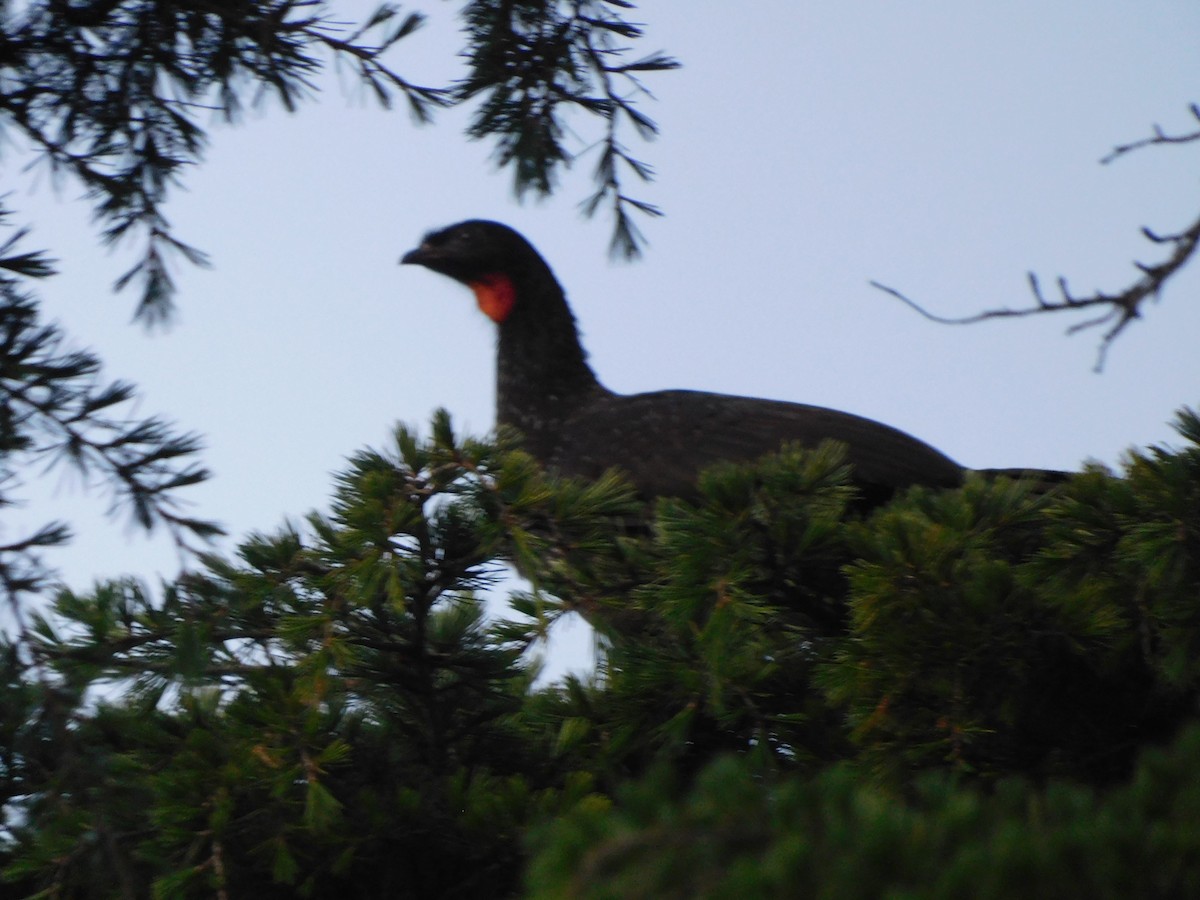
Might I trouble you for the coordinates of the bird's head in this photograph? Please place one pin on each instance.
(491, 259)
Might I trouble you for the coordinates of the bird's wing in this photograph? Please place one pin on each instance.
(664, 439)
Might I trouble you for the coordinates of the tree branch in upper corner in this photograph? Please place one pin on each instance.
(1159, 137)
(1121, 308)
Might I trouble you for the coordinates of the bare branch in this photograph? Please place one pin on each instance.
(1121, 308)
(1159, 137)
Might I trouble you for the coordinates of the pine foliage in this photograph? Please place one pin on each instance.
(989, 691)
(56, 410)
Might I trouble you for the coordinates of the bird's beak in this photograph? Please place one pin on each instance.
(434, 258)
(417, 257)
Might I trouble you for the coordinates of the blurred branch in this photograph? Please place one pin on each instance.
(54, 409)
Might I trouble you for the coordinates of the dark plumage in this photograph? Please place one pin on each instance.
(572, 423)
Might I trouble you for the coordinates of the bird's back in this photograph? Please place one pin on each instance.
(662, 440)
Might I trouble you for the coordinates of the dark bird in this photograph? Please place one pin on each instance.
(662, 440)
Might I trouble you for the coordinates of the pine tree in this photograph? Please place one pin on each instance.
(980, 687)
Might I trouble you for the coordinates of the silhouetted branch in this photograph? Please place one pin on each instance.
(530, 64)
(1159, 137)
(1121, 308)
(109, 93)
(627, 239)
(56, 410)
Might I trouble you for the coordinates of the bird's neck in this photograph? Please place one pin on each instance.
(542, 374)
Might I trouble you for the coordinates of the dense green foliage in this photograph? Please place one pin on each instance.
(737, 834)
(984, 691)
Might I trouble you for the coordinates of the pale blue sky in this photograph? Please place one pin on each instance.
(940, 147)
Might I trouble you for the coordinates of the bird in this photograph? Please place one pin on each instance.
(662, 440)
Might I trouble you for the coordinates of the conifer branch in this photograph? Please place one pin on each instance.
(108, 93)
(55, 410)
(532, 63)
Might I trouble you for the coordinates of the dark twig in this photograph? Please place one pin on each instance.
(1123, 307)
(1120, 309)
(1159, 137)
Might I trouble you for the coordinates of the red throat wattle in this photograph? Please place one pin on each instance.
(495, 295)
